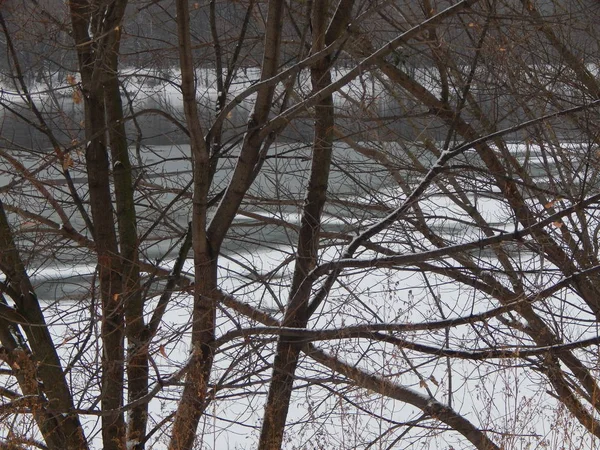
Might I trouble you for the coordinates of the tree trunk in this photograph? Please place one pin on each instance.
(97, 64)
(193, 400)
(296, 315)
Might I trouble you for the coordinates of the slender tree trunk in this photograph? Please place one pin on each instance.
(97, 65)
(287, 354)
(135, 330)
(193, 399)
(249, 153)
(109, 268)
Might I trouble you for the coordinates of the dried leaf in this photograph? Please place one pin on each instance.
(557, 224)
(67, 162)
(162, 351)
(65, 340)
(423, 384)
(433, 380)
(77, 97)
(550, 204)
(71, 80)
(116, 297)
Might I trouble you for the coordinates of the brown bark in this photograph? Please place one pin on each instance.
(296, 315)
(135, 330)
(249, 153)
(60, 427)
(195, 390)
(97, 64)
(109, 274)
(137, 349)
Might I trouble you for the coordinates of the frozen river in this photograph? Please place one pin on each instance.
(361, 190)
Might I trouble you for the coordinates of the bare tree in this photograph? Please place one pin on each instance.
(320, 224)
